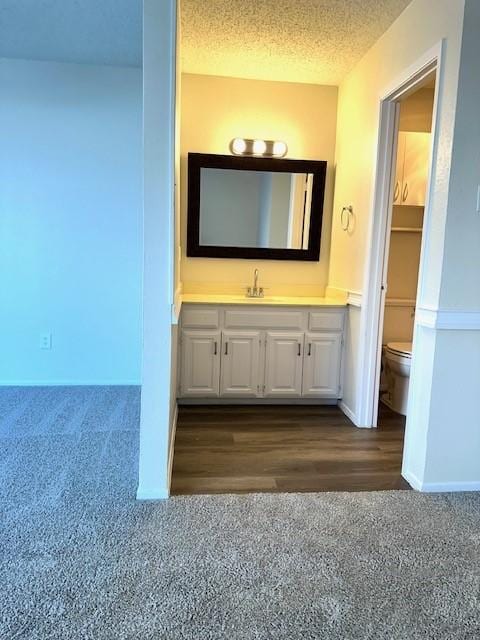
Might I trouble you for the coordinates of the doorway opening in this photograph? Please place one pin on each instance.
(408, 116)
(403, 246)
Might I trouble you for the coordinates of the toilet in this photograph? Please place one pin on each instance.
(398, 356)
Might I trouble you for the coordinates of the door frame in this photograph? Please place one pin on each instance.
(375, 286)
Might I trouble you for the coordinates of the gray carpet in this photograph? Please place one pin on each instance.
(80, 559)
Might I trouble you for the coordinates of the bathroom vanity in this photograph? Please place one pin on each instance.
(250, 348)
(234, 348)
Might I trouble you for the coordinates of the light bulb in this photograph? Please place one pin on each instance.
(259, 147)
(279, 148)
(239, 146)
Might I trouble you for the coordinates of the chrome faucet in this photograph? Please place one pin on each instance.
(255, 291)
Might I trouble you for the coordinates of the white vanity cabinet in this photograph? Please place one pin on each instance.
(200, 364)
(321, 369)
(260, 352)
(283, 364)
(240, 364)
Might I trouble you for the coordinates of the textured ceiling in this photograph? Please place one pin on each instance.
(316, 41)
(83, 31)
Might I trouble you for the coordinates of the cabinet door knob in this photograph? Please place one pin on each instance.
(215, 348)
(405, 192)
(309, 348)
(299, 349)
(396, 193)
(226, 348)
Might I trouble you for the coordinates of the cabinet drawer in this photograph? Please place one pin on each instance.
(263, 319)
(200, 318)
(326, 321)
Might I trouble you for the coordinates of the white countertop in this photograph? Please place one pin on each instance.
(291, 301)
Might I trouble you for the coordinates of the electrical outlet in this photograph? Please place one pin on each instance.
(45, 341)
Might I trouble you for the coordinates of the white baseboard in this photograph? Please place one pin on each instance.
(412, 480)
(350, 414)
(70, 383)
(440, 487)
(257, 401)
(444, 487)
(152, 493)
(172, 447)
(347, 411)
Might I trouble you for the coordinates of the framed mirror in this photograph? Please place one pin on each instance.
(257, 208)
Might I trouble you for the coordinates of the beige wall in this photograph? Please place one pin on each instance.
(442, 440)
(410, 37)
(217, 109)
(416, 31)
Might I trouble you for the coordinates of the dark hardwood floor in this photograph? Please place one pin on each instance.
(237, 449)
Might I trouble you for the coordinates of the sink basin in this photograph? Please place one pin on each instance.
(264, 299)
(246, 299)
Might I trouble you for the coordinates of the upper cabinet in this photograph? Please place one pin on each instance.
(413, 155)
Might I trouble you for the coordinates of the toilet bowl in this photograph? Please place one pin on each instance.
(398, 356)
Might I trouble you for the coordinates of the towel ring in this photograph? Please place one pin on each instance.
(349, 211)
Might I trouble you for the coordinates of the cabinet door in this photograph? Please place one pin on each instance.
(283, 368)
(416, 165)
(399, 166)
(321, 369)
(200, 375)
(240, 363)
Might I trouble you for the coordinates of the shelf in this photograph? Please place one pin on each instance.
(407, 229)
(400, 302)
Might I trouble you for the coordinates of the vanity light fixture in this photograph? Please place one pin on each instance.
(261, 148)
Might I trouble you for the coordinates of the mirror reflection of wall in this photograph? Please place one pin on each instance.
(255, 208)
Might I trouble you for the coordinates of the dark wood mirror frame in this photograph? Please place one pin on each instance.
(198, 161)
